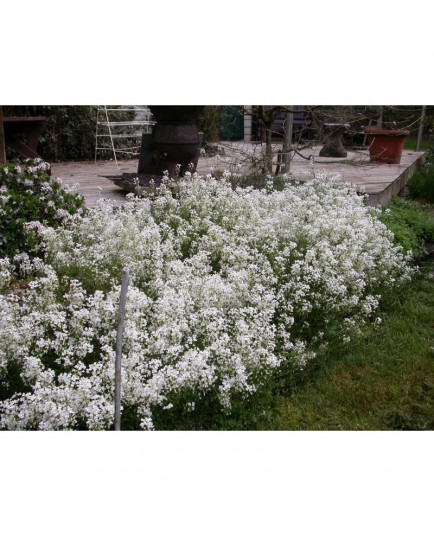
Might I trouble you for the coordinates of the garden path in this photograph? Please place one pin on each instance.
(380, 181)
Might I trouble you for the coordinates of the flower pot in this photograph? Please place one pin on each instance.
(385, 146)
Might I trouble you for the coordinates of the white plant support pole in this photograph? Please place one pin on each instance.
(118, 364)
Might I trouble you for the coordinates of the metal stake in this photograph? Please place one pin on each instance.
(121, 318)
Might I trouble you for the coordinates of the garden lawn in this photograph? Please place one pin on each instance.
(383, 381)
(410, 144)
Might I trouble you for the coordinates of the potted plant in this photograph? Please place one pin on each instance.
(385, 146)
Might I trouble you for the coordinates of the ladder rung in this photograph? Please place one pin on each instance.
(130, 135)
(125, 123)
(109, 148)
(124, 110)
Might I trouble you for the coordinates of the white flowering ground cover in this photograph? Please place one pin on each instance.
(226, 286)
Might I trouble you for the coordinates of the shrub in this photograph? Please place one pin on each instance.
(421, 184)
(29, 196)
(227, 286)
(411, 222)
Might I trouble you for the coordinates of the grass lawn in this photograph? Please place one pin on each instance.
(410, 144)
(384, 381)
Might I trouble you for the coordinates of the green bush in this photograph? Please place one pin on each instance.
(411, 222)
(421, 185)
(29, 194)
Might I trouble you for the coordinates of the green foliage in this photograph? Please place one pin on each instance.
(232, 122)
(210, 123)
(29, 194)
(421, 185)
(70, 134)
(411, 222)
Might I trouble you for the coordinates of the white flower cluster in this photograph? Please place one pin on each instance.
(5, 273)
(37, 165)
(225, 285)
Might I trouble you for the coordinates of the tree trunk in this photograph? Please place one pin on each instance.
(268, 150)
(380, 117)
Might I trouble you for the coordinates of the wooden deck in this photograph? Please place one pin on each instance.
(380, 181)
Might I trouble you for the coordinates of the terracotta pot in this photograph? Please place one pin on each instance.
(385, 146)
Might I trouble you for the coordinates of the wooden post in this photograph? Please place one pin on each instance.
(2, 139)
(118, 366)
(380, 116)
(420, 133)
(287, 141)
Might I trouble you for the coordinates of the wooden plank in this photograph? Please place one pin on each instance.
(379, 180)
